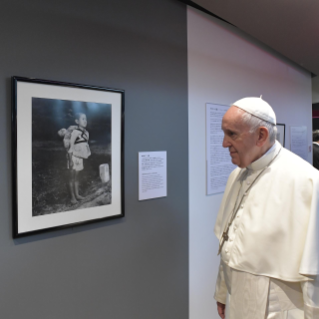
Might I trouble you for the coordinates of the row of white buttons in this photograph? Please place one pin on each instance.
(228, 244)
(230, 238)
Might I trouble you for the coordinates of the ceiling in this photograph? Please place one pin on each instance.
(290, 27)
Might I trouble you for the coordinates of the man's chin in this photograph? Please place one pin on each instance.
(234, 161)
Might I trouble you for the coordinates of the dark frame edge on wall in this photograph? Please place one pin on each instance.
(284, 126)
(14, 159)
(14, 155)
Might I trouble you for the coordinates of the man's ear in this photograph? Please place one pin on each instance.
(263, 135)
(77, 121)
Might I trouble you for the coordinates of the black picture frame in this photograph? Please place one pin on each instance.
(280, 137)
(47, 177)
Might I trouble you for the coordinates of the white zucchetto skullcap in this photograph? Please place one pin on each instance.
(258, 107)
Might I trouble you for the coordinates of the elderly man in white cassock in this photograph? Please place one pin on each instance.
(268, 223)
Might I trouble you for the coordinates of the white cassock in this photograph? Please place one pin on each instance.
(270, 263)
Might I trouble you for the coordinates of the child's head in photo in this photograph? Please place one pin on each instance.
(80, 119)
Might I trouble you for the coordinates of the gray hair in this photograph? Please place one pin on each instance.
(255, 123)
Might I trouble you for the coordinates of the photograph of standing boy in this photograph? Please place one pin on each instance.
(79, 149)
(71, 168)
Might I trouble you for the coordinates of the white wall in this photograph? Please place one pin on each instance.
(224, 65)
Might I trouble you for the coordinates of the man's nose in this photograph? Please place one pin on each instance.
(225, 142)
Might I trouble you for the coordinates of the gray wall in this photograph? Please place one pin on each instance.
(135, 267)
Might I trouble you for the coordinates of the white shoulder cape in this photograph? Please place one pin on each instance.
(279, 234)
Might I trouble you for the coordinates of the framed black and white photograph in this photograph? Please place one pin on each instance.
(67, 148)
(280, 137)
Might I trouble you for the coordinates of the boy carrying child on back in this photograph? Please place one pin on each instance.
(76, 142)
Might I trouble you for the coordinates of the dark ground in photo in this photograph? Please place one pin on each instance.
(51, 182)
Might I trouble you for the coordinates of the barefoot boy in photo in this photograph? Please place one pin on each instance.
(79, 149)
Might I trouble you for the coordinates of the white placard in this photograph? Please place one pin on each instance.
(218, 160)
(298, 141)
(152, 167)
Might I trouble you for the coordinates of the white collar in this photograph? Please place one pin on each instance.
(315, 143)
(263, 161)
